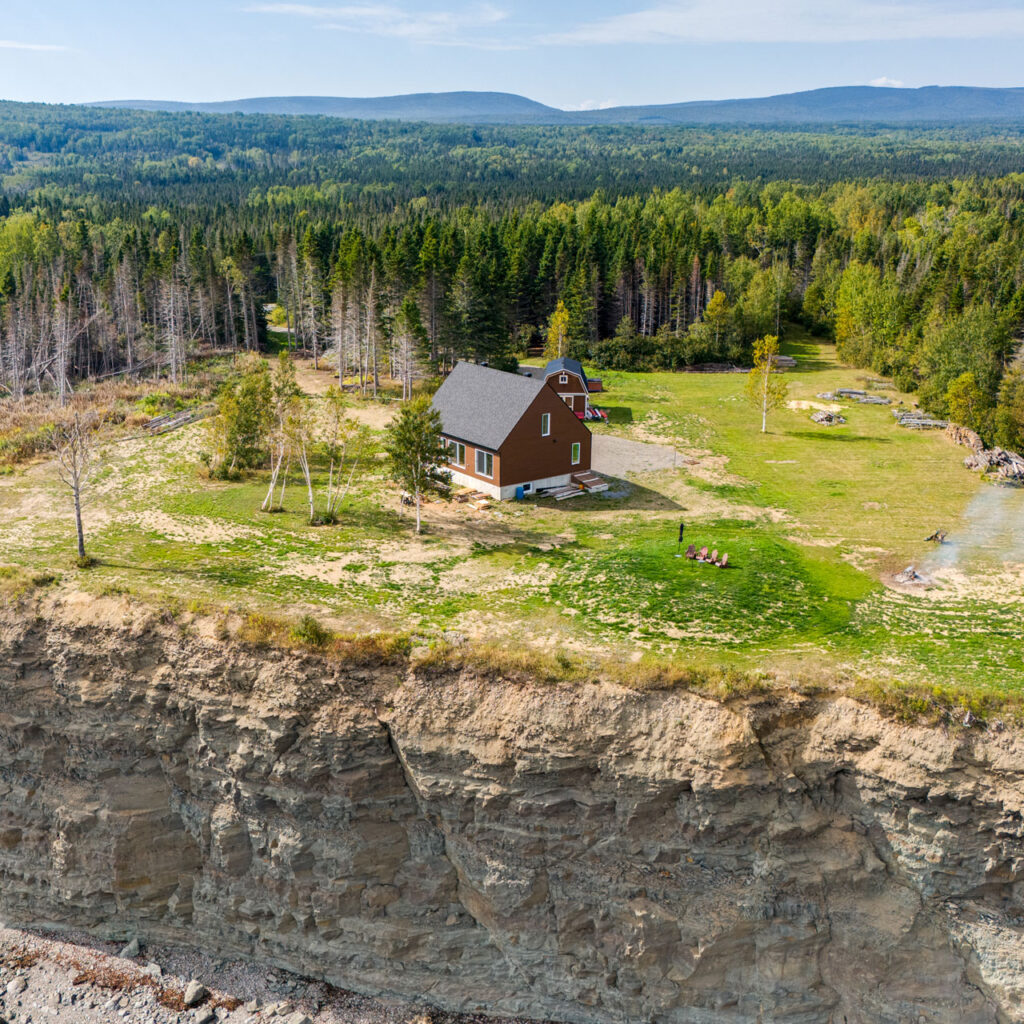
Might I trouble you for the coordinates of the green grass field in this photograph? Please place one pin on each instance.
(816, 520)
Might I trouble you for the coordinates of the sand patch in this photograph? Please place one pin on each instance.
(347, 568)
(192, 529)
(1003, 586)
(801, 404)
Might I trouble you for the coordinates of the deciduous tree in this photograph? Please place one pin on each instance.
(74, 443)
(766, 389)
(417, 452)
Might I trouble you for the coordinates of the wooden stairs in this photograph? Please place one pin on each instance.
(590, 481)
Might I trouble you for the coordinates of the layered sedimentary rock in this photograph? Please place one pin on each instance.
(580, 853)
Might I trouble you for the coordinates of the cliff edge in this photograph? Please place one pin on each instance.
(586, 854)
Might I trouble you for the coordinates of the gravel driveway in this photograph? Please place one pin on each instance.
(618, 456)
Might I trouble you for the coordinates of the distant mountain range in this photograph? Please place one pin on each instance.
(841, 105)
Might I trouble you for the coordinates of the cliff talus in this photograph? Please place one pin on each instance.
(583, 854)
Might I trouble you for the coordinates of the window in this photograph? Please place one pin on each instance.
(456, 453)
(545, 424)
(484, 463)
(527, 488)
(576, 454)
(564, 379)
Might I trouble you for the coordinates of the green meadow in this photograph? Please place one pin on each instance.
(816, 521)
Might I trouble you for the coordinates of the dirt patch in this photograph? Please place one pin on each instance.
(801, 404)
(372, 414)
(193, 529)
(1003, 586)
(375, 415)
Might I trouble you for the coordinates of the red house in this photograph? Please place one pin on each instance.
(566, 376)
(505, 431)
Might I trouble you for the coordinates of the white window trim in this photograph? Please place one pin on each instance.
(453, 458)
(545, 424)
(563, 379)
(576, 453)
(482, 456)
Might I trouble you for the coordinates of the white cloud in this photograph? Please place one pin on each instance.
(466, 27)
(10, 44)
(885, 82)
(798, 21)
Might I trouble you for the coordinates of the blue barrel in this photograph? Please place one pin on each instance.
(520, 493)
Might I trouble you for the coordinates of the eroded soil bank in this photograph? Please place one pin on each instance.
(582, 854)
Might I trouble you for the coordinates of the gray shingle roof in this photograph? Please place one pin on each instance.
(571, 365)
(481, 406)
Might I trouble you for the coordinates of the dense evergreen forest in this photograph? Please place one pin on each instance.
(130, 240)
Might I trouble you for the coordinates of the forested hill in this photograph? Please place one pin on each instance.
(441, 107)
(131, 241)
(841, 105)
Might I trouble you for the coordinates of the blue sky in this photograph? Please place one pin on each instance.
(575, 53)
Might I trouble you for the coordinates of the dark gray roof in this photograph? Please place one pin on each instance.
(563, 364)
(481, 406)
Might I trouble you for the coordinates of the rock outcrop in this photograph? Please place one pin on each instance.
(585, 854)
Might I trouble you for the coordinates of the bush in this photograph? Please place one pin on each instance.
(310, 633)
(260, 630)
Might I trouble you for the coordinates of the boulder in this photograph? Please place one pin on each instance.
(195, 993)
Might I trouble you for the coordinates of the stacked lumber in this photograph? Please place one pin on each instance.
(918, 420)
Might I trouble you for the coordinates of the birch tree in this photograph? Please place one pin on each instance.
(766, 389)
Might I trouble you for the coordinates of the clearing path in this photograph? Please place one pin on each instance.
(618, 456)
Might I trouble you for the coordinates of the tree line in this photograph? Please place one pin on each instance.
(918, 278)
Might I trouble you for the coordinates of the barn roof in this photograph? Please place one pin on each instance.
(565, 365)
(481, 406)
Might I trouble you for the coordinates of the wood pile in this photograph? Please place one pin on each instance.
(828, 419)
(475, 499)
(855, 395)
(910, 576)
(998, 462)
(965, 437)
(915, 420)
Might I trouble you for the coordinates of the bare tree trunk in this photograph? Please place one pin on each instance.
(74, 444)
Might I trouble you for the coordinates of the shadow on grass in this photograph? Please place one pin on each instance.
(622, 495)
(618, 413)
(814, 435)
(807, 352)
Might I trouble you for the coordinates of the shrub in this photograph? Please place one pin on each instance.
(310, 633)
(260, 630)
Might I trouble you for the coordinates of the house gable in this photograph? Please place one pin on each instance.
(528, 454)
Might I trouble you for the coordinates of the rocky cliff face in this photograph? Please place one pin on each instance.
(586, 854)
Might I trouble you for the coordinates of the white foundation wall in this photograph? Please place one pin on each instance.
(509, 492)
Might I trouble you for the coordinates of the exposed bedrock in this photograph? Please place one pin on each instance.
(581, 854)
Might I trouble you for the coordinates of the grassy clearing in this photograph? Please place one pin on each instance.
(814, 519)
